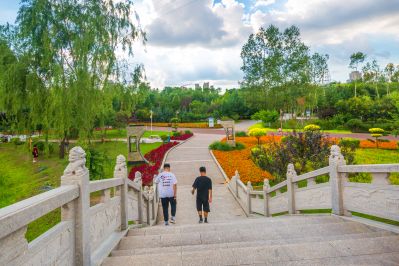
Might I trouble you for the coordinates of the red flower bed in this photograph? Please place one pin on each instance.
(155, 158)
(182, 137)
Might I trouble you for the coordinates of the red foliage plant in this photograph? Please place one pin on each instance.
(155, 158)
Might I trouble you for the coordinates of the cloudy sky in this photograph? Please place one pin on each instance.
(192, 41)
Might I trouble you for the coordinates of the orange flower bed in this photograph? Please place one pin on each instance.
(391, 145)
(241, 160)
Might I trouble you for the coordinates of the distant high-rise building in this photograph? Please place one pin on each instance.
(197, 86)
(355, 75)
(206, 85)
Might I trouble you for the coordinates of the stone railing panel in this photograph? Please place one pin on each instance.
(105, 219)
(377, 200)
(313, 197)
(278, 203)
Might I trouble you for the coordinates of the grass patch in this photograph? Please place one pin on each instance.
(374, 218)
(315, 211)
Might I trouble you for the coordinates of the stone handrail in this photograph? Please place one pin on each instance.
(86, 234)
(379, 198)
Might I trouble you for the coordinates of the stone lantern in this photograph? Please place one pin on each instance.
(134, 133)
(229, 129)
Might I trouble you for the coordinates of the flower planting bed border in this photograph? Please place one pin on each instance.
(167, 153)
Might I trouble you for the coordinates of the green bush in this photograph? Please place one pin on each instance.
(355, 125)
(241, 134)
(188, 132)
(349, 143)
(360, 177)
(223, 146)
(41, 146)
(17, 141)
(176, 134)
(266, 116)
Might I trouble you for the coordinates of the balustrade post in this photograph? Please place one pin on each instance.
(249, 190)
(335, 160)
(291, 174)
(147, 205)
(236, 178)
(266, 187)
(78, 211)
(120, 171)
(139, 181)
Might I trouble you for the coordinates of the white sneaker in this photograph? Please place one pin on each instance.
(173, 220)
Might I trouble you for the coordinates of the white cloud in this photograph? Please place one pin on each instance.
(195, 41)
(259, 3)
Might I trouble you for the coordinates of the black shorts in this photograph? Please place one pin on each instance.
(203, 205)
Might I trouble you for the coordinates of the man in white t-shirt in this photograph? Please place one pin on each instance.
(167, 189)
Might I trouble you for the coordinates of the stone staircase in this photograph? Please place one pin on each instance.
(284, 240)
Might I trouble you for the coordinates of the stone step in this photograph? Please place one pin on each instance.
(243, 224)
(252, 233)
(173, 249)
(340, 250)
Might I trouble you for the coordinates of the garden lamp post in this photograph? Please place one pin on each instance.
(151, 119)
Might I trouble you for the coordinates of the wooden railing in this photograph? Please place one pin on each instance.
(379, 198)
(86, 234)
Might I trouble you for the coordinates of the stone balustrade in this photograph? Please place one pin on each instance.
(86, 234)
(379, 198)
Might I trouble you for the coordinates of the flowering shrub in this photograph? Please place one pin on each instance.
(258, 133)
(182, 136)
(155, 157)
(311, 128)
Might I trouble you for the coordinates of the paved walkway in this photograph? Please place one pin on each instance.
(185, 161)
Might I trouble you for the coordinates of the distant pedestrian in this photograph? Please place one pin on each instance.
(203, 185)
(167, 187)
(35, 153)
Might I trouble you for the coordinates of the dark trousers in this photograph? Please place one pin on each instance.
(165, 207)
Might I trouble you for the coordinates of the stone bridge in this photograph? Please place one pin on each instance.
(122, 229)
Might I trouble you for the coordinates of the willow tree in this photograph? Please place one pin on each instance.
(73, 46)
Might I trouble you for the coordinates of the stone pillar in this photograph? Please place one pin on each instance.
(336, 159)
(236, 177)
(121, 172)
(291, 174)
(147, 204)
(266, 187)
(249, 189)
(76, 173)
(138, 180)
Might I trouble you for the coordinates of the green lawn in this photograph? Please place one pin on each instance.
(376, 156)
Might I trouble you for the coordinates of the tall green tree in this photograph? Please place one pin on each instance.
(276, 68)
(356, 59)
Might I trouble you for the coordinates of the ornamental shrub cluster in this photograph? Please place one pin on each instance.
(223, 146)
(307, 150)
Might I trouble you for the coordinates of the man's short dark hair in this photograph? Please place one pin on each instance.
(202, 169)
(166, 165)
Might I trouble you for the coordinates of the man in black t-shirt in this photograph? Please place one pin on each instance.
(203, 185)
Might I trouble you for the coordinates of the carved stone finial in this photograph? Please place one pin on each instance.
(120, 167)
(266, 184)
(77, 161)
(336, 156)
(291, 170)
(249, 185)
(137, 177)
(236, 172)
(335, 150)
